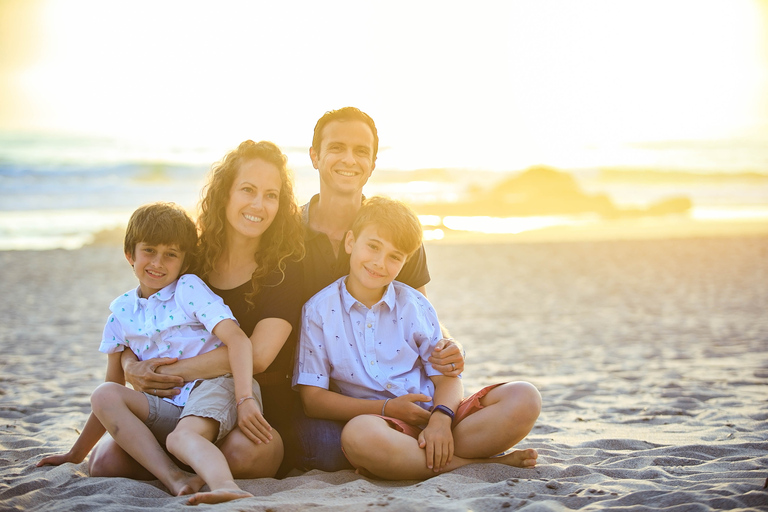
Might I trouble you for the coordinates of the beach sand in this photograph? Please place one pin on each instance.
(651, 357)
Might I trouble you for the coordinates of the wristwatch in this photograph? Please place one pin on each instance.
(445, 410)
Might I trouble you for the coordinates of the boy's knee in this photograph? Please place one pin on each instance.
(355, 428)
(174, 440)
(360, 434)
(527, 400)
(103, 395)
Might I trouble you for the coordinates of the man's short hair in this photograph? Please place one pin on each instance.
(393, 219)
(344, 114)
(160, 223)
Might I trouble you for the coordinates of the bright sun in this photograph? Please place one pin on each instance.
(524, 81)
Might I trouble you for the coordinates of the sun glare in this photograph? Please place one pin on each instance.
(564, 83)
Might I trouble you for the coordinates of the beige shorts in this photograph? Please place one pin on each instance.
(212, 398)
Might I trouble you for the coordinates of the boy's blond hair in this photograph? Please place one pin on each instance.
(393, 219)
(161, 223)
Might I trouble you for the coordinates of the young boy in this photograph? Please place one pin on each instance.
(172, 316)
(363, 358)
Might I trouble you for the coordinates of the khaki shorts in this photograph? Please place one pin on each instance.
(212, 398)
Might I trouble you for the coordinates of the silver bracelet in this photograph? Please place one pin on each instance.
(240, 402)
(383, 406)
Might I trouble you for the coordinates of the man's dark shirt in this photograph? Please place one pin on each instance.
(321, 267)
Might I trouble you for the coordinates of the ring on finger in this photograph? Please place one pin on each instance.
(453, 367)
(155, 391)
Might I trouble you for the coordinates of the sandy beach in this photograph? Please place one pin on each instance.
(651, 357)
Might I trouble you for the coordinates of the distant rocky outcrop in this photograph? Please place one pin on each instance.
(543, 190)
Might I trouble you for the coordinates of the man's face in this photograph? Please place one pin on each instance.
(345, 160)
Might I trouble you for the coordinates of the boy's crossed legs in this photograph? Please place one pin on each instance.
(508, 412)
(123, 411)
(192, 440)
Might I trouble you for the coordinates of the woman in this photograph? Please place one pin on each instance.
(250, 245)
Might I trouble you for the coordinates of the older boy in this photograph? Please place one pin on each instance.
(364, 358)
(168, 315)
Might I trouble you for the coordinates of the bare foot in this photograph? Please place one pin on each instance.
(218, 496)
(518, 458)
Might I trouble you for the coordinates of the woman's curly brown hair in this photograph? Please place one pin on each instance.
(283, 240)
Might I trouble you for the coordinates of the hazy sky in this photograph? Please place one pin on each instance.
(483, 84)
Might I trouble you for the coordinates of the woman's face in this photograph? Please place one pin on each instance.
(254, 199)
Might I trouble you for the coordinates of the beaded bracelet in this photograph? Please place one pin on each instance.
(240, 402)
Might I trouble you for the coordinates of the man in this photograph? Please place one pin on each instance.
(344, 149)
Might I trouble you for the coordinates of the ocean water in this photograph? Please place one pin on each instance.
(59, 191)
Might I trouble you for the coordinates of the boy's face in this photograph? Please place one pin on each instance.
(345, 160)
(156, 266)
(374, 262)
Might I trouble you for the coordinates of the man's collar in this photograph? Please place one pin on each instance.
(305, 209)
(305, 215)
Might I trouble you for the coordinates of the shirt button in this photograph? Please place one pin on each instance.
(369, 326)
(389, 386)
(372, 363)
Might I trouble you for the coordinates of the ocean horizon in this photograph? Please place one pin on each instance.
(59, 190)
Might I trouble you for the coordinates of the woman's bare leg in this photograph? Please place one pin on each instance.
(249, 460)
(109, 460)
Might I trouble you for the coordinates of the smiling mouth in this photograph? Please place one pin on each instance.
(372, 273)
(154, 273)
(252, 218)
(348, 174)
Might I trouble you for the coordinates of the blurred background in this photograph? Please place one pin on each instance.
(508, 120)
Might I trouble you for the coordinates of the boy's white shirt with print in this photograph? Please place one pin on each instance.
(177, 321)
(347, 348)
